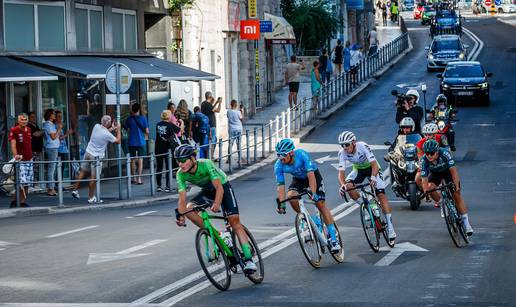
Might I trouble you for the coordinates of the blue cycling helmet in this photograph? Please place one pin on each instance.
(285, 146)
(430, 146)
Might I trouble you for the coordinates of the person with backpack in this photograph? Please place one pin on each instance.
(138, 129)
(201, 132)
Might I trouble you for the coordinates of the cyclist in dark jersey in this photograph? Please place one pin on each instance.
(215, 187)
(437, 165)
(305, 175)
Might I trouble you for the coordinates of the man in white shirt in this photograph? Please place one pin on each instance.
(373, 42)
(100, 137)
(292, 79)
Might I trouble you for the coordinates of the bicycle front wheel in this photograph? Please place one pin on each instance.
(308, 240)
(212, 259)
(370, 231)
(451, 222)
(339, 256)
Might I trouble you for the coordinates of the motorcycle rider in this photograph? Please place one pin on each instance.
(442, 110)
(409, 108)
(406, 135)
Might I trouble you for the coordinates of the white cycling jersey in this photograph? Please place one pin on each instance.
(361, 159)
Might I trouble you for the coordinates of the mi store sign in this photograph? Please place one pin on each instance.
(250, 29)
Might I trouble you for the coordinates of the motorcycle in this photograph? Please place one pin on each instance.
(444, 120)
(403, 169)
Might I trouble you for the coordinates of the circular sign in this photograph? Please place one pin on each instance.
(124, 80)
(488, 2)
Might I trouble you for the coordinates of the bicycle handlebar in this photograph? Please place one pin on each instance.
(299, 196)
(441, 187)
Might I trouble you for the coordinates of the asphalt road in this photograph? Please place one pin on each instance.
(139, 256)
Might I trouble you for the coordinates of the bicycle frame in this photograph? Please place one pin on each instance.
(214, 234)
(320, 234)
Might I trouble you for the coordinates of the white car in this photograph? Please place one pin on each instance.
(506, 6)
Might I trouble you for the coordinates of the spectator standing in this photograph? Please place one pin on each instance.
(384, 14)
(337, 54)
(292, 79)
(166, 139)
(209, 107)
(323, 64)
(173, 119)
(356, 57)
(37, 145)
(63, 151)
(201, 132)
(185, 115)
(394, 11)
(52, 131)
(138, 129)
(373, 42)
(100, 137)
(20, 138)
(347, 57)
(316, 83)
(235, 128)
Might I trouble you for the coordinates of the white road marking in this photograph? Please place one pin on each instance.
(397, 251)
(326, 158)
(140, 214)
(507, 164)
(473, 56)
(72, 231)
(124, 254)
(484, 125)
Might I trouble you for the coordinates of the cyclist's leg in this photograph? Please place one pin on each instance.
(199, 199)
(352, 179)
(296, 186)
(321, 204)
(434, 180)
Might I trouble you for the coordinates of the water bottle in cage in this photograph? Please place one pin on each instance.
(374, 207)
(226, 237)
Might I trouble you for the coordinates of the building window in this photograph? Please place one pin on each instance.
(32, 26)
(89, 27)
(124, 30)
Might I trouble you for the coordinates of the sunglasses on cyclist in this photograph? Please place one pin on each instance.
(182, 160)
(345, 145)
(430, 154)
(282, 156)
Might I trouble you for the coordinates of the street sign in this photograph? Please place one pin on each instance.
(111, 99)
(498, 2)
(118, 76)
(265, 26)
(488, 2)
(250, 29)
(252, 10)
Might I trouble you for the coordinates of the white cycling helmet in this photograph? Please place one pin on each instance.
(414, 93)
(346, 137)
(430, 128)
(408, 122)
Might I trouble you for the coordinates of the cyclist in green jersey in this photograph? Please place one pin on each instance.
(215, 187)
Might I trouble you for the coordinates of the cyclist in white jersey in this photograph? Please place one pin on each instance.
(360, 156)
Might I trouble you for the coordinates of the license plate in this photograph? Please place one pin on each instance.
(465, 93)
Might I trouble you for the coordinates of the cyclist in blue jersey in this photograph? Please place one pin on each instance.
(305, 175)
(437, 165)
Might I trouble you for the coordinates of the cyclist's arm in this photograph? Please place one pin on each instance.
(219, 194)
(312, 182)
(375, 169)
(342, 177)
(425, 184)
(455, 177)
(280, 180)
(281, 192)
(181, 203)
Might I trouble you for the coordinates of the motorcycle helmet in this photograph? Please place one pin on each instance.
(430, 146)
(408, 122)
(414, 93)
(441, 99)
(284, 147)
(346, 137)
(430, 128)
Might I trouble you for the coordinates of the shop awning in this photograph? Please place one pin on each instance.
(94, 67)
(12, 71)
(282, 31)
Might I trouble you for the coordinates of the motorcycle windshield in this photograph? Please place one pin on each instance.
(413, 138)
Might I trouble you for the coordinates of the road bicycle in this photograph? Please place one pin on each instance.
(221, 255)
(373, 219)
(451, 217)
(312, 233)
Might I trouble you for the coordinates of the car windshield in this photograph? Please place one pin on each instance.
(464, 71)
(446, 44)
(429, 9)
(445, 14)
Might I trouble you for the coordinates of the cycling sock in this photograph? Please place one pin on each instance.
(332, 232)
(389, 219)
(246, 248)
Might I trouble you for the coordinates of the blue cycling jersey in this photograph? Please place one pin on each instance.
(444, 163)
(299, 169)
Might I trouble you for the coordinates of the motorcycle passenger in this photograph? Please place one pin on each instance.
(305, 175)
(410, 109)
(437, 165)
(364, 163)
(442, 110)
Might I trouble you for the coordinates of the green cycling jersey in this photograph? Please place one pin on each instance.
(205, 173)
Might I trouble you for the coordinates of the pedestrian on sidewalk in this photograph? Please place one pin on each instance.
(316, 84)
(323, 64)
(173, 119)
(100, 137)
(62, 151)
(201, 132)
(235, 117)
(20, 138)
(52, 132)
(292, 79)
(185, 115)
(138, 129)
(209, 107)
(347, 57)
(373, 42)
(166, 139)
(356, 57)
(37, 146)
(394, 11)
(337, 57)
(384, 14)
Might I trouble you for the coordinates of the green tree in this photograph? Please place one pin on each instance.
(313, 22)
(178, 5)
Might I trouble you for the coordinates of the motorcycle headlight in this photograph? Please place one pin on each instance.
(461, 56)
(441, 124)
(483, 85)
(411, 167)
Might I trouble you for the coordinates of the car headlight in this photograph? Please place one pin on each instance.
(430, 57)
(483, 85)
(445, 85)
(461, 56)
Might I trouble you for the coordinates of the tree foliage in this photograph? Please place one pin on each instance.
(312, 20)
(178, 5)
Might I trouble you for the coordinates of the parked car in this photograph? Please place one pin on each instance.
(507, 6)
(427, 15)
(465, 81)
(418, 11)
(445, 49)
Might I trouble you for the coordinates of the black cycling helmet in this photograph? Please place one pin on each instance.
(430, 146)
(441, 99)
(185, 151)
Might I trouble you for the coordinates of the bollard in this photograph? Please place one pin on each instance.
(152, 174)
(247, 146)
(255, 136)
(17, 182)
(97, 178)
(263, 143)
(220, 153)
(60, 181)
(170, 168)
(270, 135)
(128, 174)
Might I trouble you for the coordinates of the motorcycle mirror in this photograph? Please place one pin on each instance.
(387, 143)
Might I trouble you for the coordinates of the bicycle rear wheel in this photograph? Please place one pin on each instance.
(385, 232)
(370, 231)
(451, 222)
(256, 277)
(339, 257)
(308, 240)
(212, 259)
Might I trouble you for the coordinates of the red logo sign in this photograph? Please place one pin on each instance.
(250, 29)
(488, 2)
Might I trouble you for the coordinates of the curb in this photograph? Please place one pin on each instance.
(300, 137)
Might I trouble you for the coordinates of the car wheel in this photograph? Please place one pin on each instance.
(500, 10)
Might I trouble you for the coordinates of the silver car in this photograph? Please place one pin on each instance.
(444, 49)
